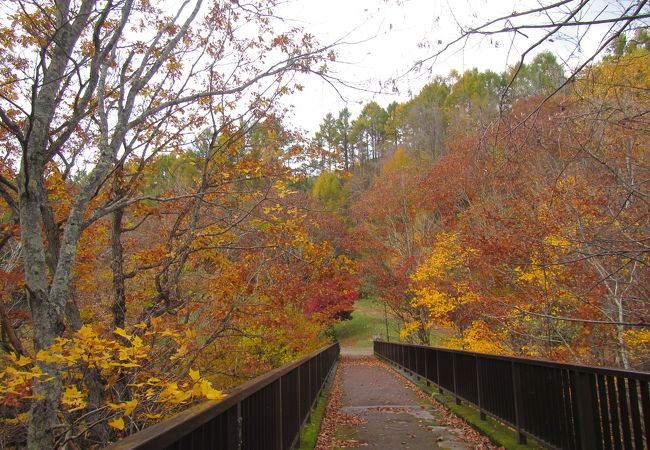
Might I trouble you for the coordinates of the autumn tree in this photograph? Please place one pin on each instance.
(424, 120)
(102, 83)
(333, 140)
(393, 229)
(368, 131)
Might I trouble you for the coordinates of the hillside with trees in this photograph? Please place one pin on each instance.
(515, 221)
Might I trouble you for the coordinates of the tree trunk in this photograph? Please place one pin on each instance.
(117, 265)
(47, 320)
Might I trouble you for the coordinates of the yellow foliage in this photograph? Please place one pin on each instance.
(399, 161)
(128, 407)
(481, 338)
(117, 423)
(615, 78)
(73, 399)
(637, 342)
(113, 358)
(441, 282)
(409, 327)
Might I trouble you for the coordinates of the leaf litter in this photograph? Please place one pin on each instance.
(334, 417)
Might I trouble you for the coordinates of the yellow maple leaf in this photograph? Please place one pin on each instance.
(129, 406)
(195, 374)
(45, 356)
(209, 392)
(23, 361)
(121, 332)
(74, 398)
(86, 332)
(117, 423)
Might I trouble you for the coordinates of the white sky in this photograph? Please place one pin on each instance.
(387, 36)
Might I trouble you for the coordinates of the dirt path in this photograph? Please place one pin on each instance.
(371, 406)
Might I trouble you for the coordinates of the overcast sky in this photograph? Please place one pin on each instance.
(384, 38)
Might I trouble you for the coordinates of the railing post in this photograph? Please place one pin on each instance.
(584, 401)
(277, 394)
(478, 387)
(438, 371)
(299, 395)
(240, 432)
(426, 366)
(309, 391)
(518, 401)
(455, 376)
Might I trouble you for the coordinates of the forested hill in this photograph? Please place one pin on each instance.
(514, 220)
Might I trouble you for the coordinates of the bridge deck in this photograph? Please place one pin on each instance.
(371, 406)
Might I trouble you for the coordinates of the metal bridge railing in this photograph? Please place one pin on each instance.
(564, 406)
(266, 413)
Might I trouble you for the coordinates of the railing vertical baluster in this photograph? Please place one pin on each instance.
(636, 415)
(517, 400)
(594, 410)
(613, 412)
(479, 390)
(645, 403)
(438, 371)
(455, 377)
(240, 426)
(299, 402)
(425, 357)
(277, 396)
(604, 412)
(625, 416)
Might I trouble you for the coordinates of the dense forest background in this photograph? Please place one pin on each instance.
(508, 213)
(166, 234)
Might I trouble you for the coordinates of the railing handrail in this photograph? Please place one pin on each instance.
(540, 362)
(177, 426)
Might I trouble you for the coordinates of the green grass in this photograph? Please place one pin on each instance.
(309, 433)
(497, 432)
(367, 321)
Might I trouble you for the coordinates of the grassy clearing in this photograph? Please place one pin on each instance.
(367, 321)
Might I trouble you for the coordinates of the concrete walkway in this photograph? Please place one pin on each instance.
(382, 412)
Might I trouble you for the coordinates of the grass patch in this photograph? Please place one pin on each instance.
(368, 320)
(309, 433)
(499, 433)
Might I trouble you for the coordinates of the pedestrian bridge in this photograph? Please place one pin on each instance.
(562, 406)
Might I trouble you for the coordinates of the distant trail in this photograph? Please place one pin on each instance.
(356, 351)
(371, 406)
